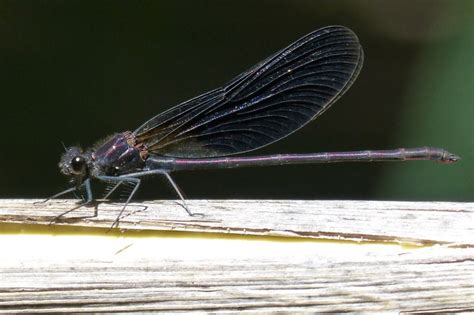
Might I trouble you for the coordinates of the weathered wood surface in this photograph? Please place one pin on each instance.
(409, 222)
(186, 272)
(437, 280)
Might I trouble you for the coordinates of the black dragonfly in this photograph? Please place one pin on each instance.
(268, 102)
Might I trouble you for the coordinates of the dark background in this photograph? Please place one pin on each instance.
(77, 71)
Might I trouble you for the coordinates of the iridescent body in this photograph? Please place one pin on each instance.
(268, 102)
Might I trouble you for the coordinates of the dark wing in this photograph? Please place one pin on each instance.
(264, 104)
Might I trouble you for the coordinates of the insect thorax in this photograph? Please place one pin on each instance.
(119, 154)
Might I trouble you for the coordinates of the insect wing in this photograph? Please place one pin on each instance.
(264, 104)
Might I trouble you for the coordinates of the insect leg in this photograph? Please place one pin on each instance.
(172, 182)
(113, 189)
(89, 199)
(72, 189)
(119, 181)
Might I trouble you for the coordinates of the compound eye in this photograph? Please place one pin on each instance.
(77, 164)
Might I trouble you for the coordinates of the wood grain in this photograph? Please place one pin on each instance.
(408, 222)
(176, 273)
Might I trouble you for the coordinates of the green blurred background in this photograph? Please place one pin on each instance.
(77, 71)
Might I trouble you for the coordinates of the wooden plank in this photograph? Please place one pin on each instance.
(49, 270)
(212, 275)
(381, 221)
